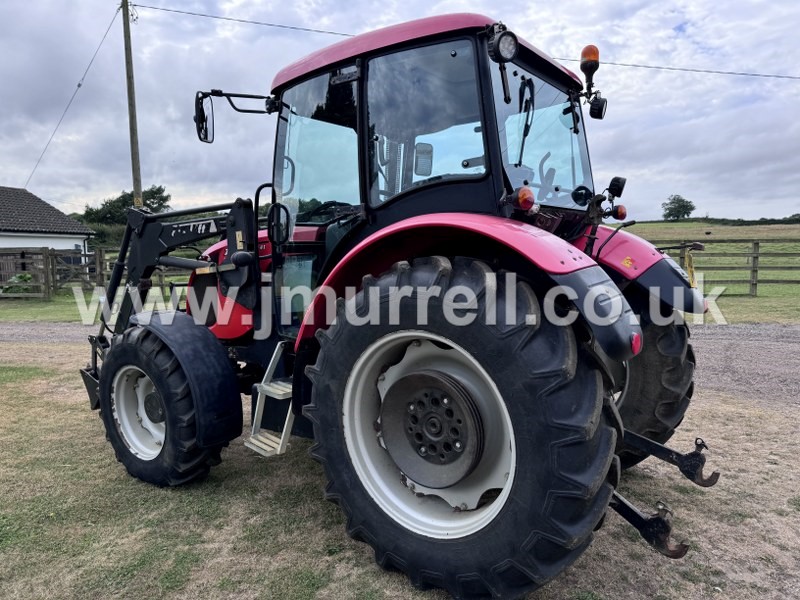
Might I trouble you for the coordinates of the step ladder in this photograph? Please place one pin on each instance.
(261, 441)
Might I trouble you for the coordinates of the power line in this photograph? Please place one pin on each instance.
(247, 21)
(690, 70)
(633, 65)
(75, 93)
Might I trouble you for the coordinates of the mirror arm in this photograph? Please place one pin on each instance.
(229, 96)
(256, 111)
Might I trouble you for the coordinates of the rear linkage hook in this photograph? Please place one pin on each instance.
(656, 529)
(691, 464)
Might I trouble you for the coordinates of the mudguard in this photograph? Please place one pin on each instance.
(668, 282)
(212, 380)
(631, 258)
(598, 299)
(439, 232)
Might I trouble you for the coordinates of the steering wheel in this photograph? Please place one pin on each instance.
(325, 206)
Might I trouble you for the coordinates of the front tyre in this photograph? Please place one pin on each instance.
(476, 458)
(148, 412)
(659, 385)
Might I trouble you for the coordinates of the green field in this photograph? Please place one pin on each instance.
(775, 303)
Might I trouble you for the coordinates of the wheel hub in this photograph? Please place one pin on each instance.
(432, 428)
(154, 408)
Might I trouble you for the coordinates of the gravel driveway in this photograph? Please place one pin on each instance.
(758, 362)
(761, 362)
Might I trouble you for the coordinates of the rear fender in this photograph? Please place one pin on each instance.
(212, 380)
(630, 258)
(463, 234)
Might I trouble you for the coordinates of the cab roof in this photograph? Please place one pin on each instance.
(391, 36)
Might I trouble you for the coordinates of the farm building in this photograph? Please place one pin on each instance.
(27, 221)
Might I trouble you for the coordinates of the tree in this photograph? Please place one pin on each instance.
(115, 210)
(677, 207)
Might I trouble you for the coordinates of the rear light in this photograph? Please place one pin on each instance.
(636, 343)
(523, 199)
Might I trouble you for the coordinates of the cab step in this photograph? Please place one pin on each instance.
(260, 440)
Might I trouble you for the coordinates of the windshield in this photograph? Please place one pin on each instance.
(424, 118)
(540, 148)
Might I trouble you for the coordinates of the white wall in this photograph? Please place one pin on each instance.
(32, 240)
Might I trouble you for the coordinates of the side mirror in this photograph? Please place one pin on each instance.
(278, 219)
(204, 117)
(617, 186)
(581, 195)
(423, 159)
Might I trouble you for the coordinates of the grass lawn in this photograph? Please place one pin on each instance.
(61, 309)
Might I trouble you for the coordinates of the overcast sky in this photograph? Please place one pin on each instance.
(729, 144)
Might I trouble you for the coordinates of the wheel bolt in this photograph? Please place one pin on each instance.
(412, 407)
(458, 446)
(423, 450)
(445, 401)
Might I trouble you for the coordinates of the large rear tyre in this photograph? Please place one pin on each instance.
(148, 412)
(475, 458)
(659, 386)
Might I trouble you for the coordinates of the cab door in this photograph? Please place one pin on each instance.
(317, 180)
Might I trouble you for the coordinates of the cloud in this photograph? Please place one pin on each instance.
(729, 144)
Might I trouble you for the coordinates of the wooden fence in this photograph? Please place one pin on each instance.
(744, 263)
(41, 272)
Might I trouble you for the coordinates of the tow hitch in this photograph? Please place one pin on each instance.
(656, 529)
(691, 464)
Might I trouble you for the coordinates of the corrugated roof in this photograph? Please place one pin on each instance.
(24, 212)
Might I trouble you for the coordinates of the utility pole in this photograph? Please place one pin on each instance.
(134, 130)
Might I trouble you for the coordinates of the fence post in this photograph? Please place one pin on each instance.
(46, 280)
(682, 258)
(754, 269)
(99, 267)
(53, 261)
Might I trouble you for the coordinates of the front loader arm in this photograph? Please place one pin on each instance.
(146, 244)
(149, 238)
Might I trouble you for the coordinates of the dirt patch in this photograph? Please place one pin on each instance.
(74, 525)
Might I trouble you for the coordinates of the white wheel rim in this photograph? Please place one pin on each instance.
(144, 438)
(429, 515)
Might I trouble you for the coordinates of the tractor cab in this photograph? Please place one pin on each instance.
(454, 115)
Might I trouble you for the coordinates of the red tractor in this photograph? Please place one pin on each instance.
(433, 298)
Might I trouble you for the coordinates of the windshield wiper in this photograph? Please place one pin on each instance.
(526, 102)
